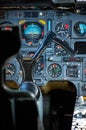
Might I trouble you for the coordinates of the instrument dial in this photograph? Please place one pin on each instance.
(54, 70)
(62, 29)
(10, 70)
(80, 28)
(14, 71)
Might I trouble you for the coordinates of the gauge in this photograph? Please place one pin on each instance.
(54, 70)
(80, 28)
(62, 29)
(32, 32)
(10, 70)
(14, 71)
(59, 50)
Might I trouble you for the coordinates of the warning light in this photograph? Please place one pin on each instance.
(6, 28)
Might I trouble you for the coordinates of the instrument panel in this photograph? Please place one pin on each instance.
(14, 70)
(55, 62)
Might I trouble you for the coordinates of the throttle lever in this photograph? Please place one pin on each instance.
(64, 45)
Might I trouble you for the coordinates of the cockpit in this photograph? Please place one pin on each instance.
(49, 64)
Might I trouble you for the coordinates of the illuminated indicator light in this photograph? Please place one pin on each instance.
(30, 43)
(66, 26)
(49, 25)
(40, 13)
(24, 26)
(42, 33)
(58, 47)
(8, 28)
(42, 21)
(22, 21)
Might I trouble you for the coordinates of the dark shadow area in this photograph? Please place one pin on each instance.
(10, 44)
(59, 106)
(18, 109)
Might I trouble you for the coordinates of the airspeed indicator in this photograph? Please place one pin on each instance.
(54, 70)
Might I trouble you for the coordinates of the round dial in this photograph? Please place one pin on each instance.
(62, 29)
(54, 70)
(10, 70)
(14, 71)
(80, 28)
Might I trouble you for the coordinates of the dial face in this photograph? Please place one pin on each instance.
(10, 70)
(54, 70)
(14, 71)
(80, 28)
(32, 32)
(62, 29)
